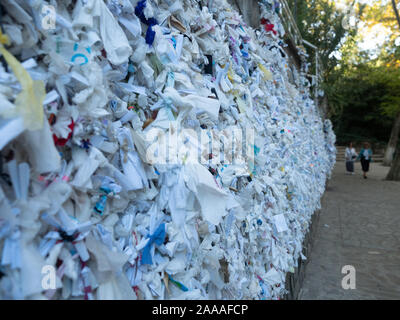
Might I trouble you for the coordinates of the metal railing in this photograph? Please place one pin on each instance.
(290, 24)
(295, 37)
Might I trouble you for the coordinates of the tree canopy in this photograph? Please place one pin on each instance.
(358, 42)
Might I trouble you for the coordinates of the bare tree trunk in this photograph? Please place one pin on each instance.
(394, 138)
(396, 12)
(394, 173)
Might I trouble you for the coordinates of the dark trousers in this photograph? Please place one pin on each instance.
(350, 166)
(365, 164)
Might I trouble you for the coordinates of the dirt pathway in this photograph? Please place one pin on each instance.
(359, 225)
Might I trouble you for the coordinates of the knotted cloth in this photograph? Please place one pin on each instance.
(158, 238)
(150, 34)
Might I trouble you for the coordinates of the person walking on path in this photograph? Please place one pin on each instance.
(350, 155)
(365, 156)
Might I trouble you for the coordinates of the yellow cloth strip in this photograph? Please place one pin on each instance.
(29, 102)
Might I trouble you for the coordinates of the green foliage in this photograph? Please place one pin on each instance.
(369, 98)
(363, 94)
(320, 23)
(390, 77)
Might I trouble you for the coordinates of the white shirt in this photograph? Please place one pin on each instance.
(366, 154)
(350, 153)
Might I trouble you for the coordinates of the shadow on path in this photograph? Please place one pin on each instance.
(359, 225)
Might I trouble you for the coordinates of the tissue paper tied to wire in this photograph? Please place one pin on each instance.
(153, 150)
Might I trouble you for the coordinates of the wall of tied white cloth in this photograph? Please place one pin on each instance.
(94, 93)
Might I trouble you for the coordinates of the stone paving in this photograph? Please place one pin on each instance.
(359, 225)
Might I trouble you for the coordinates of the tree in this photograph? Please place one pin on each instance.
(388, 78)
(393, 141)
(394, 173)
(363, 87)
(321, 23)
(364, 93)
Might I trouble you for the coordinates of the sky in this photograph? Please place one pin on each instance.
(372, 37)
